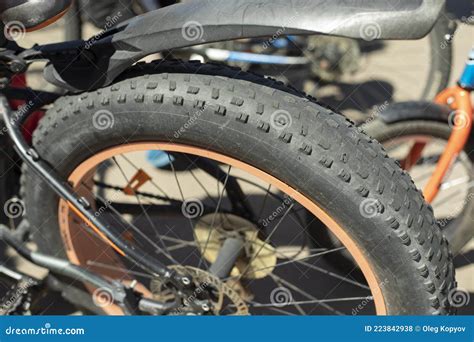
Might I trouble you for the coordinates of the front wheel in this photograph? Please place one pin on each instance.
(248, 159)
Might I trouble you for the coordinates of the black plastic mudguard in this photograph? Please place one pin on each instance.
(206, 21)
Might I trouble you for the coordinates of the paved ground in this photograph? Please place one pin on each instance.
(386, 66)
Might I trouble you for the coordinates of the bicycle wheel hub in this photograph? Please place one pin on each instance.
(258, 258)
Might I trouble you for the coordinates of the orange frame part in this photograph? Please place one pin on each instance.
(459, 101)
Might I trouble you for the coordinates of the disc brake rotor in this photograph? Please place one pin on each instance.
(258, 259)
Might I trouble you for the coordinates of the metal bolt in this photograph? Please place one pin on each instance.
(84, 202)
(33, 154)
(205, 307)
(186, 281)
(16, 66)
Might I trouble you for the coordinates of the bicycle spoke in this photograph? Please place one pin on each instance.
(317, 301)
(151, 180)
(219, 202)
(134, 227)
(296, 260)
(305, 294)
(265, 242)
(297, 306)
(182, 197)
(262, 208)
(148, 218)
(332, 274)
(202, 187)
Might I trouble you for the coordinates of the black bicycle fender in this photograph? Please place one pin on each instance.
(415, 110)
(205, 21)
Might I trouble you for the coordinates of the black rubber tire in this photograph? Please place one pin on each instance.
(321, 154)
(460, 230)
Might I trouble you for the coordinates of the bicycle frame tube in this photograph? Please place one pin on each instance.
(458, 98)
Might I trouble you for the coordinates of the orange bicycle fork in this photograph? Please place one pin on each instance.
(460, 120)
(458, 99)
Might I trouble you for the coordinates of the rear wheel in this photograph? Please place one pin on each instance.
(248, 159)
